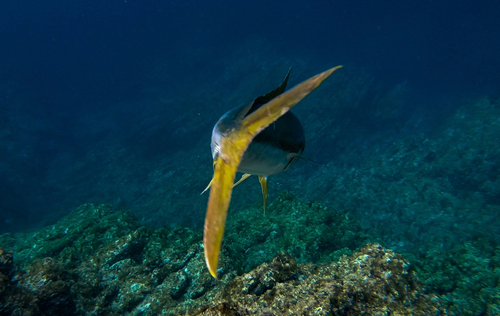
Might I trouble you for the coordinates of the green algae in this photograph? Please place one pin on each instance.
(372, 281)
(466, 277)
(98, 258)
(310, 232)
(78, 235)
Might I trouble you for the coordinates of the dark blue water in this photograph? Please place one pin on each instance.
(80, 80)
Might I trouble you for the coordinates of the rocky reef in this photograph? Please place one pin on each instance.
(465, 277)
(431, 198)
(98, 261)
(373, 281)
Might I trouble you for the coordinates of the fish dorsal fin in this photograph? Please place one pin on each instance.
(243, 111)
(276, 92)
(263, 99)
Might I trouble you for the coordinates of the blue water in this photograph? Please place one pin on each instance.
(85, 82)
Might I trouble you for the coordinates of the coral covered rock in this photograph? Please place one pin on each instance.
(103, 263)
(6, 271)
(373, 281)
(310, 232)
(43, 289)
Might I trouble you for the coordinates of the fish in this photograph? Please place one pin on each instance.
(261, 138)
(275, 149)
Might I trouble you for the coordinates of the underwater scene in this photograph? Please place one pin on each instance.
(369, 132)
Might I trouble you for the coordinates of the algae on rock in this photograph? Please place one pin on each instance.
(373, 281)
(98, 260)
(308, 231)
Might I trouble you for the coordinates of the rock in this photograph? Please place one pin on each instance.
(373, 281)
(113, 266)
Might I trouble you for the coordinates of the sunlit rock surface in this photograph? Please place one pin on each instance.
(98, 261)
(433, 198)
(373, 281)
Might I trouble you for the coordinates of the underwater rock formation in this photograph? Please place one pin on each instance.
(98, 261)
(373, 281)
(465, 277)
(42, 289)
(6, 268)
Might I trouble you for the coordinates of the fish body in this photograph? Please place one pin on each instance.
(275, 149)
(261, 138)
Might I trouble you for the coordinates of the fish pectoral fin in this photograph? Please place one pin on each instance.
(210, 184)
(232, 148)
(263, 185)
(208, 187)
(295, 155)
(243, 178)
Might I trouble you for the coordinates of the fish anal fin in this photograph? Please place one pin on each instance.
(263, 185)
